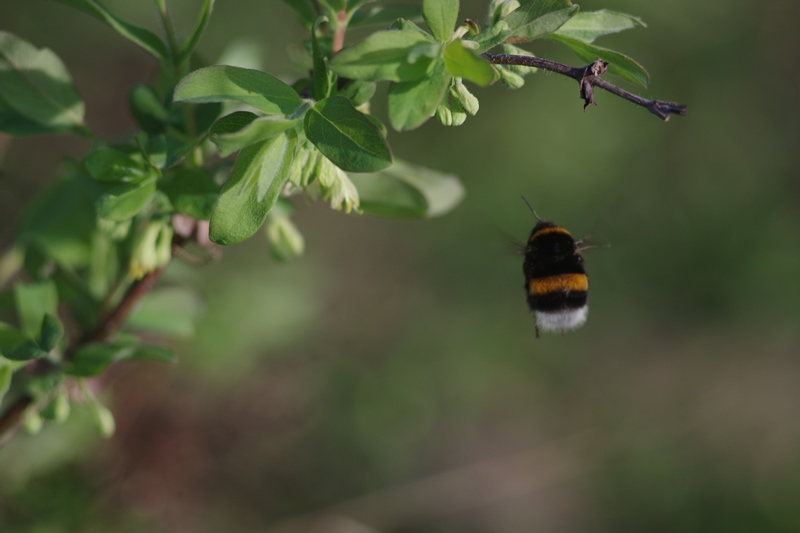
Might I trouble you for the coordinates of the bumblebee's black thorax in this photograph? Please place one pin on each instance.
(551, 250)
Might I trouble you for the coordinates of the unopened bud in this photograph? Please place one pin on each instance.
(285, 240)
(466, 99)
(450, 112)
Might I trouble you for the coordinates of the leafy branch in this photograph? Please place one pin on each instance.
(95, 243)
(12, 419)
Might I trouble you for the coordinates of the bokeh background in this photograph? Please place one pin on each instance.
(390, 379)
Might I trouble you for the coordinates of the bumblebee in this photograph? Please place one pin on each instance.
(555, 279)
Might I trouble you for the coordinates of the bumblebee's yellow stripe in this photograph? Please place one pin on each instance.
(552, 229)
(559, 282)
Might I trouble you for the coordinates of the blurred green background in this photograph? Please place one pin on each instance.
(390, 379)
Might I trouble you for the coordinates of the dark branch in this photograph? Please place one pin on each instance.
(11, 420)
(108, 325)
(589, 77)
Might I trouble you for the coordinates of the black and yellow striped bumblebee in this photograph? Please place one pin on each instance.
(555, 279)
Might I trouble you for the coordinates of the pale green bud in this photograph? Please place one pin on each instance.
(152, 249)
(466, 99)
(512, 79)
(450, 112)
(285, 240)
(32, 422)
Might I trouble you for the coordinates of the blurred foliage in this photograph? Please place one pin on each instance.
(402, 389)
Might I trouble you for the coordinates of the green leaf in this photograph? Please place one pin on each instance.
(151, 352)
(223, 83)
(619, 64)
(167, 149)
(383, 56)
(590, 25)
(276, 160)
(358, 92)
(104, 264)
(147, 109)
(381, 14)
(52, 331)
(15, 124)
(36, 90)
(346, 136)
(34, 301)
(204, 116)
(192, 191)
(202, 21)
(257, 130)
(443, 192)
(93, 359)
(539, 17)
(122, 202)
(10, 337)
(108, 164)
(232, 123)
(408, 25)
(411, 103)
(440, 16)
(465, 63)
(321, 80)
(40, 385)
(378, 124)
(24, 351)
(261, 170)
(492, 36)
(5, 379)
(408, 190)
(383, 195)
(146, 39)
(303, 10)
(169, 311)
(61, 219)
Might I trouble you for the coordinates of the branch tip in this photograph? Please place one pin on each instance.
(589, 77)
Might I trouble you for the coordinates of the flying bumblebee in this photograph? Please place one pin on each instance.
(555, 280)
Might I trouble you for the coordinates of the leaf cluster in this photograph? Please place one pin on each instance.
(219, 152)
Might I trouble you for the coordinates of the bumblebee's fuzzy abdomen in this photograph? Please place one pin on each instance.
(555, 279)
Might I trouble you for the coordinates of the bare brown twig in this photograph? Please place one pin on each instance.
(589, 77)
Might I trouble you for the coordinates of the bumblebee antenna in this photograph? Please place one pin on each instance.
(531, 208)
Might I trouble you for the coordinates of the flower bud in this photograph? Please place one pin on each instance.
(450, 112)
(285, 240)
(152, 249)
(465, 98)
